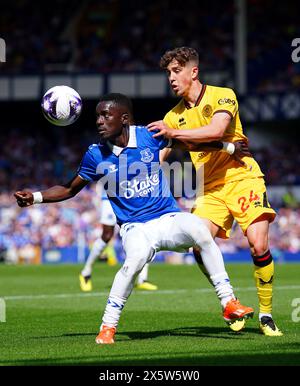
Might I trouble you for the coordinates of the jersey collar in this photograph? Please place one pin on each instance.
(117, 150)
(200, 96)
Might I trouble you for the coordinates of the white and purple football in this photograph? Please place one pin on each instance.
(61, 105)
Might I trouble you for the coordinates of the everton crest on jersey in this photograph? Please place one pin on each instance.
(146, 154)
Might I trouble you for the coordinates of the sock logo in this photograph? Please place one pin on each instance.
(262, 282)
(115, 304)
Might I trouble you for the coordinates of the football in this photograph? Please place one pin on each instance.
(61, 105)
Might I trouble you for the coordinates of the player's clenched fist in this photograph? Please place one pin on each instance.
(24, 198)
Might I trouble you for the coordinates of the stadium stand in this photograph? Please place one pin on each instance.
(60, 225)
(113, 36)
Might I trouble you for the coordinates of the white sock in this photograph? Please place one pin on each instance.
(222, 287)
(119, 293)
(214, 264)
(262, 314)
(113, 311)
(143, 275)
(96, 251)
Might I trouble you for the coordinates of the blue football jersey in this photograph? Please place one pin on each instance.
(132, 177)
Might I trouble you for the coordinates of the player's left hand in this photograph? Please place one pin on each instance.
(241, 150)
(160, 128)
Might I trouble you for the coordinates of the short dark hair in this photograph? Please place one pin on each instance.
(183, 55)
(120, 100)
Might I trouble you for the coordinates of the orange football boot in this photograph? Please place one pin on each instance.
(234, 310)
(106, 335)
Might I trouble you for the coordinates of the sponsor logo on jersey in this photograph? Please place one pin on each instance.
(223, 101)
(137, 187)
(147, 156)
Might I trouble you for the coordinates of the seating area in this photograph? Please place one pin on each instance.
(118, 36)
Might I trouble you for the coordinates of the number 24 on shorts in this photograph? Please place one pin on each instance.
(243, 201)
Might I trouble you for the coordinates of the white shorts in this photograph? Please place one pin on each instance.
(177, 231)
(107, 216)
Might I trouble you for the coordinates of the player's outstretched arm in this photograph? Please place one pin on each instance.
(237, 150)
(214, 131)
(54, 194)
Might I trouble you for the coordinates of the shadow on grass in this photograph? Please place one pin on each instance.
(202, 332)
(121, 354)
(197, 332)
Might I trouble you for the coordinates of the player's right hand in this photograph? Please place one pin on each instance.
(24, 198)
(241, 150)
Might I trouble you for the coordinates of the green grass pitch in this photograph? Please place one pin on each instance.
(50, 322)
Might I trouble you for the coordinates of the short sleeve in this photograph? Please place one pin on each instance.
(161, 142)
(226, 101)
(88, 166)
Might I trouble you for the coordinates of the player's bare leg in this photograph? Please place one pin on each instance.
(257, 234)
(213, 264)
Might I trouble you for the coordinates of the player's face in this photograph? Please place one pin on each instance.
(110, 120)
(181, 77)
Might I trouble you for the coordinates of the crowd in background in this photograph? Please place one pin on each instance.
(45, 167)
(28, 161)
(114, 35)
(77, 220)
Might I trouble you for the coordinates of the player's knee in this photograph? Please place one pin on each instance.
(197, 230)
(136, 263)
(138, 253)
(258, 242)
(260, 247)
(202, 235)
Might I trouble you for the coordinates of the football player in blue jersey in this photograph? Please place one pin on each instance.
(101, 245)
(127, 162)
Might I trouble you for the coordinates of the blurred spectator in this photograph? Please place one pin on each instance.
(24, 231)
(289, 200)
(45, 167)
(59, 224)
(114, 35)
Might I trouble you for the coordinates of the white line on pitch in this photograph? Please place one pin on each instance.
(159, 292)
